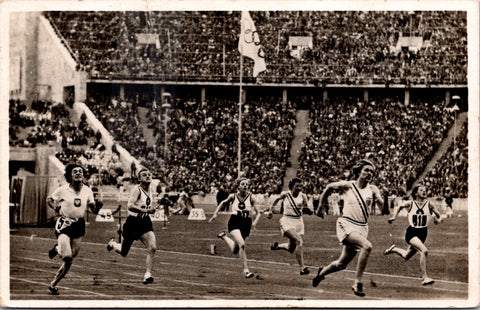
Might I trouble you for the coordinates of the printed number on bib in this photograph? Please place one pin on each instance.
(419, 220)
(62, 223)
(243, 214)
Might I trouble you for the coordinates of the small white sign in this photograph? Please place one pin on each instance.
(197, 214)
(104, 215)
(159, 215)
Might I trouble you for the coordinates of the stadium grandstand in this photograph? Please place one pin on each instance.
(119, 90)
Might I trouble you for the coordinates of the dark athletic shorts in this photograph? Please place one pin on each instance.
(242, 223)
(421, 233)
(136, 226)
(72, 227)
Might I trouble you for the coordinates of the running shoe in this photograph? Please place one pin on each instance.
(274, 247)
(110, 244)
(389, 250)
(428, 281)
(318, 278)
(358, 289)
(148, 280)
(221, 235)
(248, 274)
(304, 271)
(53, 290)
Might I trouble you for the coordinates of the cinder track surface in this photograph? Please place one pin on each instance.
(186, 274)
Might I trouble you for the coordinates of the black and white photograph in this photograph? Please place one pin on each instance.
(239, 154)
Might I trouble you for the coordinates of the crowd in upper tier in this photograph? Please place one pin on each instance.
(348, 47)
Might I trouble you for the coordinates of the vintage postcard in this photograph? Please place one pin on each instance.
(239, 154)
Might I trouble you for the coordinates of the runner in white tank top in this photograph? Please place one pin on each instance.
(352, 227)
(420, 210)
(295, 203)
(70, 202)
(240, 222)
(138, 225)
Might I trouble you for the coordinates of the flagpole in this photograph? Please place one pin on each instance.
(239, 151)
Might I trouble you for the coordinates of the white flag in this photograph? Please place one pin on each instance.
(249, 44)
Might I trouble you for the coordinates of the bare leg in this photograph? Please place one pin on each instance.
(230, 243)
(405, 254)
(348, 253)
(67, 254)
(238, 239)
(150, 243)
(295, 245)
(423, 251)
(356, 240)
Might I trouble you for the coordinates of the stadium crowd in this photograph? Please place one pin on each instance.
(202, 141)
(46, 123)
(348, 47)
(401, 138)
(451, 170)
(41, 123)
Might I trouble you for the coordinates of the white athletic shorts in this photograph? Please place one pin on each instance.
(287, 223)
(346, 227)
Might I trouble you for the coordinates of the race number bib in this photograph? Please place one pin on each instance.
(63, 222)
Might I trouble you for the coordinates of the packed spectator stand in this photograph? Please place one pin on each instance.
(402, 139)
(451, 170)
(351, 48)
(46, 123)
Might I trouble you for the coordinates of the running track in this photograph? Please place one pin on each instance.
(192, 279)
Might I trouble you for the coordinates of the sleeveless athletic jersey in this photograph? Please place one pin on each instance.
(73, 204)
(357, 204)
(242, 207)
(418, 216)
(292, 206)
(144, 200)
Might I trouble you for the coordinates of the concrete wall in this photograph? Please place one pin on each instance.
(23, 154)
(46, 66)
(40, 155)
(56, 67)
(23, 37)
